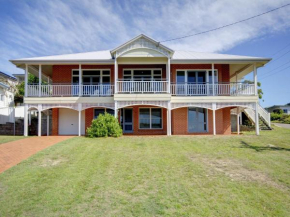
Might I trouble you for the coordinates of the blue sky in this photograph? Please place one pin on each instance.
(39, 28)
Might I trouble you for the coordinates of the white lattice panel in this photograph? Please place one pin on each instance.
(104, 105)
(240, 104)
(200, 105)
(122, 104)
(73, 106)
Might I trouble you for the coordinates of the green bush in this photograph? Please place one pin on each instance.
(105, 125)
(275, 117)
(287, 120)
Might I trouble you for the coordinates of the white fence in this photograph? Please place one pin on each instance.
(7, 114)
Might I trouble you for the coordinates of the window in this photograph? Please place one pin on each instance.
(98, 111)
(197, 120)
(285, 111)
(92, 77)
(150, 118)
(196, 76)
(142, 74)
(1, 97)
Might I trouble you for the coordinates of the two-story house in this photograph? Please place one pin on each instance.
(152, 89)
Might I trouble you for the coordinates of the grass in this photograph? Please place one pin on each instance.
(4, 139)
(154, 176)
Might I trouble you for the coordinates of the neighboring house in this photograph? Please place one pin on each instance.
(152, 89)
(284, 108)
(7, 84)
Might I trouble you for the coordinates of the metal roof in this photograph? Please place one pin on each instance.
(106, 56)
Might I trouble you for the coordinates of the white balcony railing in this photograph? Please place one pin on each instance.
(50, 90)
(179, 89)
(207, 89)
(142, 86)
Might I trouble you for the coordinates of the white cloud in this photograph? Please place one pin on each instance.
(59, 27)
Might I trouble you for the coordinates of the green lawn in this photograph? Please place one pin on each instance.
(154, 176)
(4, 139)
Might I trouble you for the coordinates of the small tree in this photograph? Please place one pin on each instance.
(105, 125)
(260, 91)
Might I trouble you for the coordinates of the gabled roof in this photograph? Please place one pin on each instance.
(157, 44)
(2, 74)
(4, 85)
(107, 56)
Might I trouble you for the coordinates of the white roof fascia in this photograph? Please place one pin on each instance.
(51, 62)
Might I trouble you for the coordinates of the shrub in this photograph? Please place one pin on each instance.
(287, 120)
(275, 117)
(105, 125)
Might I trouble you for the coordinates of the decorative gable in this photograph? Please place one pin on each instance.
(138, 46)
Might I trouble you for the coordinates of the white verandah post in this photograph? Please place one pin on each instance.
(39, 81)
(169, 119)
(116, 109)
(25, 131)
(25, 119)
(213, 118)
(168, 75)
(255, 79)
(116, 74)
(80, 80)
(39, 119)
(257, 119)
(212, 73)
(80, 119)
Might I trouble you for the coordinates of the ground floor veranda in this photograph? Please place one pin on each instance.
(143, 117)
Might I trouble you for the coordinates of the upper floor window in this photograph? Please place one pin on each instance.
(92, 76)
(142, 74)
(2, 97)
(195, 76)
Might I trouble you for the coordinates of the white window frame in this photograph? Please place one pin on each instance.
(101, 108)
(101, 74)
(199, 70)
(151, 69)
(150, 119)
(206, 131)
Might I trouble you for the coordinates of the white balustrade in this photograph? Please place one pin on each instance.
(70, 90)
(142, 86)
(206, 89)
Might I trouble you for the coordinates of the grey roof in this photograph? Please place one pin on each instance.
(7, 76)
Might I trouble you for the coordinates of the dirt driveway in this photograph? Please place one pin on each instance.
(12, 153)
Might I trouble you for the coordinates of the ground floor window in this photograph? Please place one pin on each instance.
(150, 118)
(98, 111)
(197, 120)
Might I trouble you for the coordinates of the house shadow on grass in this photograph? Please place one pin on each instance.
(263, 148)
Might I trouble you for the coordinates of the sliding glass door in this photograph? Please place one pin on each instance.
(193, 82)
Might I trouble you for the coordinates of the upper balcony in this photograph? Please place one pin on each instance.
(141, 87)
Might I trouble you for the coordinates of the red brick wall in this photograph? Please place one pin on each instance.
(121, 67)
(63, 73)
(180, 122)
(55, 114)
(137, 131)
(223, 70)
(89, 116)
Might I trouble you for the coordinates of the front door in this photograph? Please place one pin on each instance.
(127, 120)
